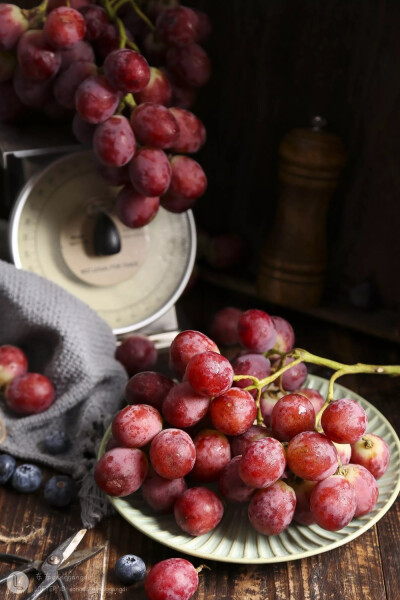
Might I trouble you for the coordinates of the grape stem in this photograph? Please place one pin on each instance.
(37, 15)
(299, 355)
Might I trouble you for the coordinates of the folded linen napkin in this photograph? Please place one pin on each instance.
(68, 342)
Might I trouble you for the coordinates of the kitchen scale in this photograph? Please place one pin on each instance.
(51, 234)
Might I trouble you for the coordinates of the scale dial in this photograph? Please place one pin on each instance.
(49, 237)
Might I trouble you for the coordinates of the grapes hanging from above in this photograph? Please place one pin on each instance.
(125, 76)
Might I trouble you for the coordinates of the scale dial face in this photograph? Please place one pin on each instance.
(49, 236)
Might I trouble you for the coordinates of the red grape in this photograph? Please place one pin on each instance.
(177, 26)
(171, 579)
(148, 387)
(158, 89)
(12, 25)
(372, 452)
(155, 50)
(230, 484)
(95, 99)
(190, 64)
(312, 456)
(30, 92)
(240, 443)
(82, 130)
(96, 20)
(198, 510)
(108, 41)
(224, 326)
(172, 453)
(303, 490)
(160, 494)
(68, 81)
(64, 27)
(36, 58)
(121, 471)
(136, 425)
(176, 204)
(344, 452)
(13, 363)
(136, 353)
(182, 96)
(185, 345)
(8, 62)
(188, 178)
(150, 172)
(191, 132)
(344, 421)
(291, 415)
(154, 125)
(295, 377)
(114, 176)
(251, 364)
(271, 510)
(267, 403)
(29, 394)
(80, 52)
(263, 462)
(135, 210)
(233, 413)
(316, 399)
(213, 452)
(284, 334)
(183, 407)
(333, 503)
(127, 70)
(77, 4)
(209, 373)
(365, 487)
(114, 142)
(204, 26)
(256, 330)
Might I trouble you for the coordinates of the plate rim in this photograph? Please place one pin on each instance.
(118, 502)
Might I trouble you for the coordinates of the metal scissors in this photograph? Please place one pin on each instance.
(64, 557)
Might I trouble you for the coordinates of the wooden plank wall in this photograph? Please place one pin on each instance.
(277, 63)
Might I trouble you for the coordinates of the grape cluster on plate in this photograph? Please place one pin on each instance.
(81, 60)
(284, 451)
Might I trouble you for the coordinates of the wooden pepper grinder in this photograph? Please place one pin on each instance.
(293, 261)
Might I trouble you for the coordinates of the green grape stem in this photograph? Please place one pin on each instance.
(299, 355)
(37, 15)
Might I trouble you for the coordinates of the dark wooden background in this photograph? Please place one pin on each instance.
(276, 63)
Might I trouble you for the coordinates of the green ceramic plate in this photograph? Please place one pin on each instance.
(236, 541)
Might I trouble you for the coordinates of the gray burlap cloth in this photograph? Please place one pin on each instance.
(69, 343)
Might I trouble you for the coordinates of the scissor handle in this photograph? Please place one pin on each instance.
(13, 558)
(63, 589)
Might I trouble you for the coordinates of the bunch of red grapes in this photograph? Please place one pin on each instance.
(82, 62)
(286, 454)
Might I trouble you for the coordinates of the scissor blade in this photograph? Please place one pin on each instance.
(79, 557)
(64, 550)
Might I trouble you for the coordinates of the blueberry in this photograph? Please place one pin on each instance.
(130, 568)
(56, 442)
(59, 490)
(26, 478)
(7, 467)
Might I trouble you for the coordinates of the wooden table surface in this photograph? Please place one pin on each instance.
(367, 568)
